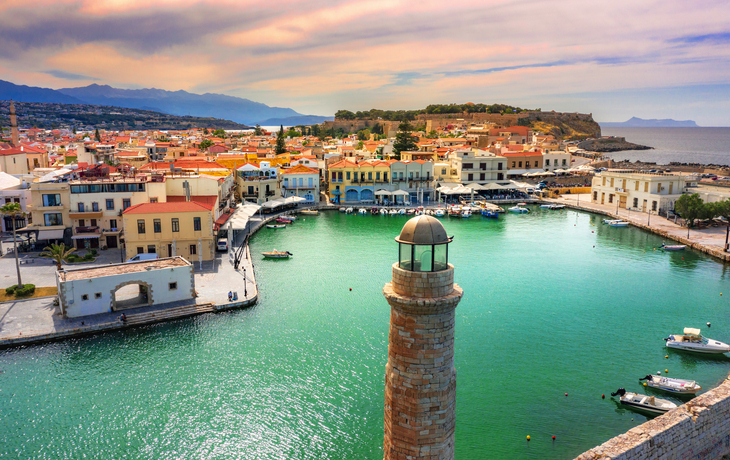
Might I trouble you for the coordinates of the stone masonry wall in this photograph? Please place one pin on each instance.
(697, 430)
(420, 379)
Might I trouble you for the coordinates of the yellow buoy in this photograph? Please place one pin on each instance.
(666, 371)
(666, 356)
(528, 437)
(644, 383)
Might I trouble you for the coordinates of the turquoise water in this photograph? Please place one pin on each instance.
(554, 302)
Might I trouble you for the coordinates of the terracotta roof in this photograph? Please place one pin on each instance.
(205, 200)
(156, 208)
(300, 169)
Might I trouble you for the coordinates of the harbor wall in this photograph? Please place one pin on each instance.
(697, 430)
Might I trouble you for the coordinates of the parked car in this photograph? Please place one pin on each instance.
(141, 257)
(222, 244)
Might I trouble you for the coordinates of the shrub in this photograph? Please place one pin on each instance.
(26, 290)
(93, 252)
(10, 290)
(88, 257)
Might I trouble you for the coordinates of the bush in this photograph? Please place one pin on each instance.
(74, 258)
(88, 257)
(26, 290)
(93, 252)
(10, 290)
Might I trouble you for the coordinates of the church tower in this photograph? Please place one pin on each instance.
(420, 379)
(15, 137)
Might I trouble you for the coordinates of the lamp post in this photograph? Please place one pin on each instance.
(245, 283)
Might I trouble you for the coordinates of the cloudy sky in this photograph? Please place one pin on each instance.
(615, 59)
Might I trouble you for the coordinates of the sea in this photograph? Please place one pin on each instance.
(558, 311)
(683, 145)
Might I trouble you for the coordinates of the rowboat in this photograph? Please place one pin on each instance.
(383, 211)
(283, 221)
(490, 213)
(309, 212)
(552, 206)
(679, 386)
(349, 211)
(644, 403)
(608, 221)
(289, 218)
(618, 223)
(465, 213)
(362, 211)
(277, 254)
(393, 212)
(374, 211)
(673, 247)
(692, 340)
(401, 212)
(275, 226)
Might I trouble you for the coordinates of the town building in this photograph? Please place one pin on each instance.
(300, 181)
(479, 166)
(257, 183)
(638, 191)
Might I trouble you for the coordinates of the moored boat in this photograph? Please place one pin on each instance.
(374, 211)
(283, 221)
(277, 254)
(644, 403)
(673, 247)
(343, 209)
(383, 211)
(349, 211)
(401, 212)
(439, 213)
(692, 340)
(393, 212)
(289, 218)
(309, 212)
(275, 226)
(518, 209)
(362, 211)
(618, 224)
(672, 385)
(490, 213)
(466, 213)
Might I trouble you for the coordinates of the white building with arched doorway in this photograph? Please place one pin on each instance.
(116, 287)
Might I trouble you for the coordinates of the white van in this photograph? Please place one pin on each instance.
(222, 244)
(141, 257)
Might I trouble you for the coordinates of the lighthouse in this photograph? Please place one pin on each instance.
(420, 379)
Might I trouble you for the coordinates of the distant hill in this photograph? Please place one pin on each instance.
(294, 121)
(180, 103)
(635, 122)
(22, 93)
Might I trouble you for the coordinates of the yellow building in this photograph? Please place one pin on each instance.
(50, 206)
(170, 229)
(352, 181)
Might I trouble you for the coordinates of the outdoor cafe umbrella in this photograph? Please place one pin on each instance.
(382, 193)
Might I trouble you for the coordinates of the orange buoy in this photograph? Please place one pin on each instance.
(603, 396)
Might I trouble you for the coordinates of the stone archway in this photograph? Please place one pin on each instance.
(131, 294)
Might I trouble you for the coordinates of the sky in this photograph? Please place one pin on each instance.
(615, 59)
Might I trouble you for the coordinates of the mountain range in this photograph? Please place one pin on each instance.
(171, 102)
(635, 122)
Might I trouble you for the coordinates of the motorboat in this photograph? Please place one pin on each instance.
(490, 213)
(283, 221)
(275, 226)
(343, 209)
(455, 211)
(692, 340)
(679, 386)
(289, 218)
(644, 403)
(309, 212)
(410, 211)
(610, 221)
(618, 223)
(518, 209)
(673, 247)
(349, 211)
(362, 211)
(401, 212)
(439, 213)
(277, 254)
(374, 211)
(466, 213)
(383, 211)
(393, 212)
(552, 206)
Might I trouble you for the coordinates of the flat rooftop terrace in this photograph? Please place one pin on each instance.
(122, 269)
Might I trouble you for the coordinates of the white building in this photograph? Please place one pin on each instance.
(300, 181)
(555, 159)
(479, 166)
(638, 191)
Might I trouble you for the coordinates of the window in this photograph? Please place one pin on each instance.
(636, 202)
(151, 249)
(52, 200)
(513, 164)
(470, 177)
(547, 161)
(97, 295)
(565, 162)
(443, 171)
(196, 224)
(500, 176)
(370, 176)
(110, 203)
(157, 226)
(520, 164)
(334, 175)
(95, 206)
(468, 166)
(140, 226)
(653, 205)
(595, 196)
(481, 177)
(377, 175)
(610, 197)
(499, 166)
(193, 249)
(113, 224)
(126, 202)
(671, 186)
(612, 182)
(53, 219)
(646, 186)
(175, 225)
(347, 175)
(93, 222)
(173, 286)
(153, 199)
(140, 250)
(82, 223)
(85, 297)
(81, 207)
(604, 181)
(636, 185)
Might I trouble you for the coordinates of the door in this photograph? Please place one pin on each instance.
(643, 206)
(169, 250)
(603, 197)
(622, 201)
(111, 242)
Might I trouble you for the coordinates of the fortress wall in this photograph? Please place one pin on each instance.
(697, 430)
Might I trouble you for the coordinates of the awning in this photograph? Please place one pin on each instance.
(50, 234)
(85, 236)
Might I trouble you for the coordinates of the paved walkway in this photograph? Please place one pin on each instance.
(709, 240)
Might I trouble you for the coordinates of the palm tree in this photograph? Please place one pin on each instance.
(14, 210)
(58, 253)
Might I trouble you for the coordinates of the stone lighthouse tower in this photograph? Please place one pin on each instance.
(420, 379)
(14, 126)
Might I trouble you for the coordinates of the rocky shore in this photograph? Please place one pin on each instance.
(610, 144)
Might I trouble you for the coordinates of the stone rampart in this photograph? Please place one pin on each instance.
(697, 430)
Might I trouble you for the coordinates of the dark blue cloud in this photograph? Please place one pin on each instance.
(68, 75)
(721, 38)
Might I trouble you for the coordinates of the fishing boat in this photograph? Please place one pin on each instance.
(692, 340)
(283, 221)
(644, 403)
(673, 247)
(618, 223)
(309, 212)
(679, 386)
(277, 254)
(401, 212)
(518, 209)
(343, 209)
(393, 212)
(374, 211)
(362, 211)
(466, 213)
(275, 226)
(383, 211)
(349, 211)
(490, 213)
(455, 211)
(439, 213)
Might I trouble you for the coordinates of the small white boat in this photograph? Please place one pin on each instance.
(309, 212)
(518, 209)
(618, 223)
(466, 213)
(349, 211)
(552, 206)
(673, 247)
(692, 340)
(546, 206)
(393, 212)
(643, 402)
(277, 254)
(362, 211)
(343, 209)
(275, 225)
(609, 221)
(679, 386)
(439, 213)
(401, 212)
(383, 211)
(289, 218)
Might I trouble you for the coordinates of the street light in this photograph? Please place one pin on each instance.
(245, 282)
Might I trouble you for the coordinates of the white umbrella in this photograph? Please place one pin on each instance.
(401, 193)
(475, 186)
(382, 193)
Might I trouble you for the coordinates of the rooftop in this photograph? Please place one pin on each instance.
(121, 269)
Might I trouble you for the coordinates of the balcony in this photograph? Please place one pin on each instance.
(85, 214)
(298, 187)
(86, 232)
(336, 181)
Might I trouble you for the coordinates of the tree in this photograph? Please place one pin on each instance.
(691, 208)
(258, 131)
(360, 145)
(432, 135)
(722, 209)
(219, 133)
(204, 144)
(280, 143)
(97, 136)
(315, 130)
(404, 140)
(363, 135)
(14, 210)
(58, 253)
(74, 130)
(205, 131)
